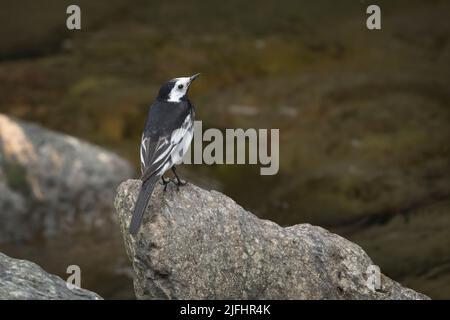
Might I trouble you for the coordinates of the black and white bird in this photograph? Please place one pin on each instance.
(166, 138)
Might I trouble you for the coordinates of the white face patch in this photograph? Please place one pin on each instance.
(179, 90)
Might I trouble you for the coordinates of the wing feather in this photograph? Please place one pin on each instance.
(159, 149)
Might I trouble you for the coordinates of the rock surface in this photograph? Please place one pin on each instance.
(52, 183)
(196, 244)
(20, 279)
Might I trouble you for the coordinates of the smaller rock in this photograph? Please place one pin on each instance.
(52, 183)
(24, 280)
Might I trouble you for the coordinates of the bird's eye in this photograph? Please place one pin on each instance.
(180, 86)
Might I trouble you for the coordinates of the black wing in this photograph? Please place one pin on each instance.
(164, 130)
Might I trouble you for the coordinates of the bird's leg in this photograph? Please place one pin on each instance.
(165, 182)
(179, 181)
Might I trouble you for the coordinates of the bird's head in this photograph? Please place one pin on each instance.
(176, 90)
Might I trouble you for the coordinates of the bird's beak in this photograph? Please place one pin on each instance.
(194, 77)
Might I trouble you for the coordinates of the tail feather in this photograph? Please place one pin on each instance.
(141, 203)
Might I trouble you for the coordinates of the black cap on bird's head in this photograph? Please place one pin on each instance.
(176, 90)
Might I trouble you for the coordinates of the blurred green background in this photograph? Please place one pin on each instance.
(363, 115)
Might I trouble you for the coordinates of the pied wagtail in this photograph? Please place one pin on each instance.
(166, 138)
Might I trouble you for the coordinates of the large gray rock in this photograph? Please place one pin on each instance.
(20, 279)
(196, 244)
(52, 183)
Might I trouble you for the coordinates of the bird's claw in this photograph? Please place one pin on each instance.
(165, 183)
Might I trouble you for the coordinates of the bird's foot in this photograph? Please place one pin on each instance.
(165, 182)
(180, 183)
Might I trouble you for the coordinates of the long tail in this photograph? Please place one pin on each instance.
(141, 203)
